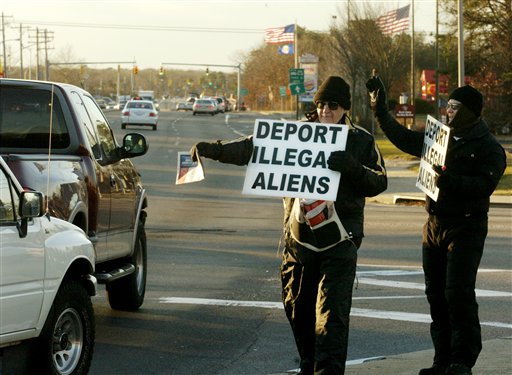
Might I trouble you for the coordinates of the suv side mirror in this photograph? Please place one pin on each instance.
(134, 144)
(31, 205)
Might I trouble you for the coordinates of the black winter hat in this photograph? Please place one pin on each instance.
(334, 89)
(470, 97)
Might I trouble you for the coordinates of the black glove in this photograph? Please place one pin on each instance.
(445, 180)
(206, 149)
(346, 164)
(377, 92)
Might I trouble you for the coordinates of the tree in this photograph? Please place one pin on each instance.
(488, 52)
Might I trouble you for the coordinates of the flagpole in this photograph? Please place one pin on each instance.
(460, 26)
(296, 57)
(412, 52)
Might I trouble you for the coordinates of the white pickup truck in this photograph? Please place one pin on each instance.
(46, 284)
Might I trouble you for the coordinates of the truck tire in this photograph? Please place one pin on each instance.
(127, 293)
(66, 343)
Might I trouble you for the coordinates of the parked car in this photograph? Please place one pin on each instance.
(87, 176)
(184, 106)
(139, 112)
(208, 106)
(46, 284)
(221, 104)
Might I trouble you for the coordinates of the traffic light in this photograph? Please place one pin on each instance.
(207, 71)
(162, 71)
(135, 69)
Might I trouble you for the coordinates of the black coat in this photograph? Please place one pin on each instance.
(351, 196)
(476, 161)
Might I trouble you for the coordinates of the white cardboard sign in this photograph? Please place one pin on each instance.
(435, 145)
(290, 159)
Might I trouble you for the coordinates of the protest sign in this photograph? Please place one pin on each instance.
(187, 170)
(290, 159)
(435, 145)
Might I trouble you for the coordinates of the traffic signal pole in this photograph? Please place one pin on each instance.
(207, 66)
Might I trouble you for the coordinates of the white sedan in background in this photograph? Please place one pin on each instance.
(139, 112)
(208, 106)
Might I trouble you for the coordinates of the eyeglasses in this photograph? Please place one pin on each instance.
(453, 106)
(332, 105)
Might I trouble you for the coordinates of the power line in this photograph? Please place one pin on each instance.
(145, 27)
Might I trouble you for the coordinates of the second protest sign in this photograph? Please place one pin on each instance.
(290, 159)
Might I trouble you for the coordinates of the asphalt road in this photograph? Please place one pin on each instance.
(213, 294)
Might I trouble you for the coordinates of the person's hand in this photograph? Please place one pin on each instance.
(206, 149)
(445, 180)
(378, 101)
(346, 164)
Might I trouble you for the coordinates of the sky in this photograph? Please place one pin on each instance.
(153, 32)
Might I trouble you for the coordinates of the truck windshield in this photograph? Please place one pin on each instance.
(25, 114)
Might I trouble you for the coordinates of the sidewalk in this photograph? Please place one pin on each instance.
(495, 359)
(402, 187)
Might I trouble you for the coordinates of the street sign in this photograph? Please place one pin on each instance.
(244, 92)
(296, 76)
(297, 88)
(404, 111)
(282, 90)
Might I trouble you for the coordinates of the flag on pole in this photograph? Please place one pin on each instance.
(276, 35)
(395, 21)
(285, 49)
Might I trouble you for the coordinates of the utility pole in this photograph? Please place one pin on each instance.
(21, 51)
(46, 62)
(3, 44)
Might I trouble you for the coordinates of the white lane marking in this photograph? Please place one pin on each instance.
(365, 313)
(363, 360)
(387, 266)
(420, 286)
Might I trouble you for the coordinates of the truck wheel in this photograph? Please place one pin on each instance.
(66, 343)
(127, 293)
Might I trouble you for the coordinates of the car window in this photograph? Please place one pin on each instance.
(27, 117)
(84, 119)
(6, 199)
(106, 138)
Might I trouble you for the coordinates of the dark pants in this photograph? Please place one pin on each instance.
(317, 297)
(452, 249)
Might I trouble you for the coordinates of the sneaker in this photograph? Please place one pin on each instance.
(434, 370)
(458, 369)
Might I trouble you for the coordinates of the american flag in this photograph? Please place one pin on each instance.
(280, 34)
(394, 21)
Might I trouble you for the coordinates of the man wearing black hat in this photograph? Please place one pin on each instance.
(319, 261)
(454, 235)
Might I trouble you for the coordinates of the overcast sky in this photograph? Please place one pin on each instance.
(152, 32)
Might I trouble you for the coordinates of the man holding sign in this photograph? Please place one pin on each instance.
(454, 235)
(324, 169)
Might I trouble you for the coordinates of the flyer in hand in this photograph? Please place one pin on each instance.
(188, 170)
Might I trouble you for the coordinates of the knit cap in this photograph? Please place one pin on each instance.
(470, 97)
(334, 89)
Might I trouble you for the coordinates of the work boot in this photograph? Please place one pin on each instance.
(458, 369)
(434, 370)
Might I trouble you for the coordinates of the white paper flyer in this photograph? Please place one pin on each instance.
(188, 170)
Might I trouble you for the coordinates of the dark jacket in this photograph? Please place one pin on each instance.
(351, 195)
(476, 161)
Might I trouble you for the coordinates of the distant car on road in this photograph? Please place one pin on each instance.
(139, 112)
(208, 106)
(184, 106)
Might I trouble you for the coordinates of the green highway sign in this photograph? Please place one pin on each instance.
(296, 76)
(282, 90)
(244, 92)
(297, 88)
